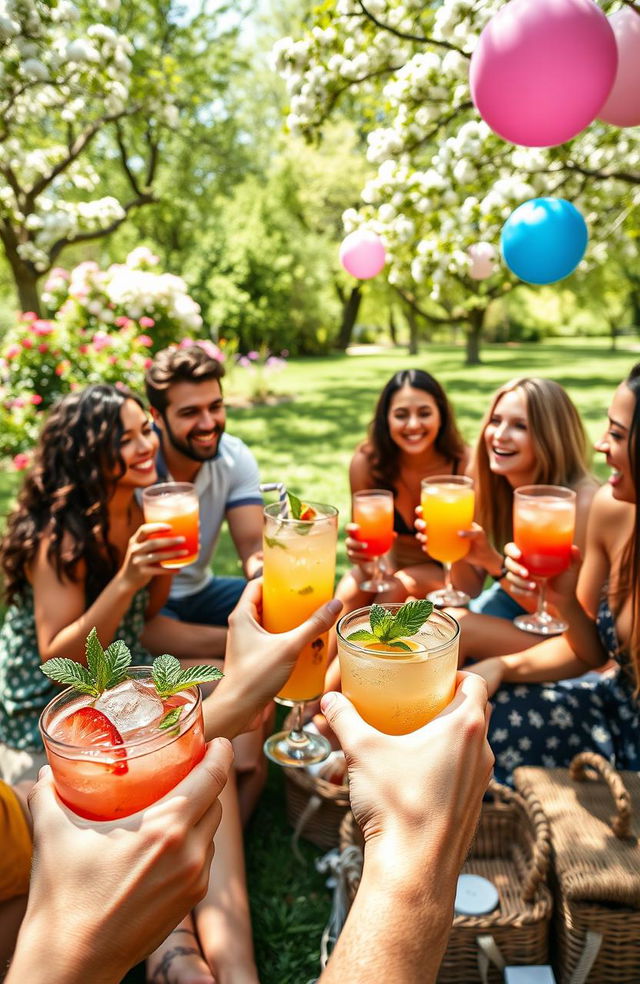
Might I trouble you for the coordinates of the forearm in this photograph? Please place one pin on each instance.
(228, 710)
(252, 564)
(467, 577)
(105, 615)
(184, 640)
(553, 659)
(582, 635)
(49, 955)
(400, 920)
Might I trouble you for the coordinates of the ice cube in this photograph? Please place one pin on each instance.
(131, 706)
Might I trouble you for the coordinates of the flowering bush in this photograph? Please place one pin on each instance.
(258, 367)
(102, 326)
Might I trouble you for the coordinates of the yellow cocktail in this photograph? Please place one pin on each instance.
(398, 692)
(447, 508)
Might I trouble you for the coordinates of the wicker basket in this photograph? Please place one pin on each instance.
(511, 848)
(596, 867)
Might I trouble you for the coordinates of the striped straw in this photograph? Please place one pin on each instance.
(280, 488)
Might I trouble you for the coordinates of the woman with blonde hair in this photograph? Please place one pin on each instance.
(531, 435)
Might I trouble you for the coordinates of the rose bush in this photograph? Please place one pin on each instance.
(101, 326)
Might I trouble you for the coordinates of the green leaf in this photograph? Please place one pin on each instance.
(272, 541)
(409, 619)
(308, 589)
(381, 621)
(165, 670)
(72, 674)
(171, 718)
(96, 661)
(394, 644)
(118, 658)
(363, 635)
(295, 505)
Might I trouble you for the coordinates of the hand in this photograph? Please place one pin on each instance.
(492, 672)
(356, 548)
(108, 893)
(419, 794)
(145, 551)
(481, 552)
(561, 589)
(258, 663)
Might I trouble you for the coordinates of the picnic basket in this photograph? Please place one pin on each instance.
(595, 867)
(315, 806)
(511, 848)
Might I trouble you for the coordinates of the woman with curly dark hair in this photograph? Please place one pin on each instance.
(413, 434)
(76, 554)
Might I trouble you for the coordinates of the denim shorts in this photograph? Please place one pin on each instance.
(210, 606)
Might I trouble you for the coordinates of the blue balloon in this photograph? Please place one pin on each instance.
(543, 240)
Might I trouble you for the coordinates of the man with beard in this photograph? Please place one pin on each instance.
(185, 395)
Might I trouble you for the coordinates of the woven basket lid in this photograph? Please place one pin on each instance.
(592, 863)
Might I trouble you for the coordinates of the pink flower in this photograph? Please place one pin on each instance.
(36, 399)
(112, 359)
(253, 356)
(42, 327)
(27, 343)
(146, 322)
(144, 339)
(101, 340)
(148, 363)
(122, 321)
(62, 367)
(83, 349)
(42, 348)
(18, 402)
(12, 351)
(29, 316)
(21, 461)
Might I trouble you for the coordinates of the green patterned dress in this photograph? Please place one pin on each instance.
(24, 689)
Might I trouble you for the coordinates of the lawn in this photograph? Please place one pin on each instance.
(307, 443)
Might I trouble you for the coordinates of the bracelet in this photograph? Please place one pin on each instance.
(504, 570)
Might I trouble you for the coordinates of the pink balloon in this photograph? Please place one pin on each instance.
(483, 260)
(542, 70)
(622, 108)
(362, 254)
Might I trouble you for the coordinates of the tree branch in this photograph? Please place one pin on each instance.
(625, 176)
(410, 37)
(83, 237)
(124, 160)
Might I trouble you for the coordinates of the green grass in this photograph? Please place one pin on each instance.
(307, 443)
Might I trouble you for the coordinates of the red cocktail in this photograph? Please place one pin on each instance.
(177, 505)
(116, 754)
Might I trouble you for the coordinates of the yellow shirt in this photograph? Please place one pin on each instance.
(15, 858)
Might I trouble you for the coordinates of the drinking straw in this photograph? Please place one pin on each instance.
(280, 488)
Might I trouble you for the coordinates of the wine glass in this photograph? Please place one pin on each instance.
(544, 518)
(299, 574)
(447, 507)
(372, 510)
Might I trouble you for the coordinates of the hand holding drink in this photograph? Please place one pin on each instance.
(175, 504)
(372, 513)
(120, 737)
(543, 528)
(447, 508)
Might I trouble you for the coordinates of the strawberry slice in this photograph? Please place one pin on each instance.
(307, 512)
(90, 727)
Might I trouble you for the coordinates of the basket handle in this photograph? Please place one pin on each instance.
(541, 849)
(621, 821)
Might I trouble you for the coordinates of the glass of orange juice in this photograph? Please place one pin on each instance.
(372, 510)
(447, 507)
(544, 519)
(177, 505)
(398, 691)
(299, 569)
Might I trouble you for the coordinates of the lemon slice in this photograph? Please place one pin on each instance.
(388, 647)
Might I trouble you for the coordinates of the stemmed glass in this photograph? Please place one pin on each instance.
(299, 575)
(372, 510)
(544, 518)
(447, 506)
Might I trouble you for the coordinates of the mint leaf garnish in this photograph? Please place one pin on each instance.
(295, 505)
(118, 658)
(171, 718)
(308, 589)
(272, 541)
(96, 661)
(391, 629)
(169, 677)
(72, 674)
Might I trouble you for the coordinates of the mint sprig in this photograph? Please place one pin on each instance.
(106, 668)
(295, 505)
(391, 629)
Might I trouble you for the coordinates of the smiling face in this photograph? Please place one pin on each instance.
(614, 444)
(193, 421)
(414, 420)
(137, 446)
(508, 440)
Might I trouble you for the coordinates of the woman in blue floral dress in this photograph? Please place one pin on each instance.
(537, 718)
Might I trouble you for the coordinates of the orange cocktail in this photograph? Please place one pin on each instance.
(543, 528)
(398, 692)
(372, 510)
(447, 507)
(177, 505)
(299, 574)
(110, 757)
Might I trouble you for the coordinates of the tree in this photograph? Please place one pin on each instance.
(87, 105)
(444, 179)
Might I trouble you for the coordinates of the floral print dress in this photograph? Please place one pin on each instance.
(548, 723)
(24, 689)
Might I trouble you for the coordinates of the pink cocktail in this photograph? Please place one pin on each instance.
(177, 505)
(372, 511)
(117, 754)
